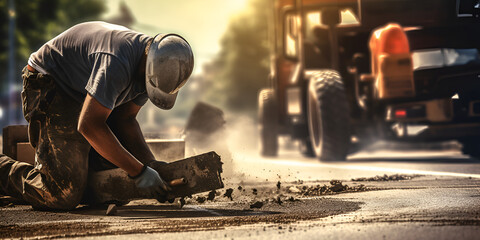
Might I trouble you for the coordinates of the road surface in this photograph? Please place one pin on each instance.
(294, 198)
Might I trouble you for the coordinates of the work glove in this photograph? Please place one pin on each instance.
(150, 182)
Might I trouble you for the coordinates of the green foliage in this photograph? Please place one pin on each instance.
(37, 21)
(236, 75)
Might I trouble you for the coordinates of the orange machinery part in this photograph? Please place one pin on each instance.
(392, 65)
(390, 39)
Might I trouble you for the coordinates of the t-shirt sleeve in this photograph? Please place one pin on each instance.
(108, 79)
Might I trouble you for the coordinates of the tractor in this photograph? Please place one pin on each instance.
(345, 73)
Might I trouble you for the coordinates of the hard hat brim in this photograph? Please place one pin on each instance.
(165, 69)
(159, 98)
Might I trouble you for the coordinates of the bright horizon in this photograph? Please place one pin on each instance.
(202, 23)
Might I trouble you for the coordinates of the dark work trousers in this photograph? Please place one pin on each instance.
(59, 177)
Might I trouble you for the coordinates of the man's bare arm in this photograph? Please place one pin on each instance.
(92, 124)
(124, 124)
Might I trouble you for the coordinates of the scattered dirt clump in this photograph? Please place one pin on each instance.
(257, 204)
(211, 195)
(228, 194)
(337, 186)
(292, 199)
(278, 200)
(201, 199)
(279, 184)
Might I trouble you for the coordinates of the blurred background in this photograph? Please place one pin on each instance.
(229, 39)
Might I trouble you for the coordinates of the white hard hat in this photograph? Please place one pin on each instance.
(169, 65)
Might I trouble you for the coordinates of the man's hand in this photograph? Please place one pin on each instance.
(151, 182)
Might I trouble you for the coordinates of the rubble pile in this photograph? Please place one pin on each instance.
(335, 187)
(280, 194)
(385, 177)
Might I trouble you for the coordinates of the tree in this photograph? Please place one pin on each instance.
(241, 68)
(36, 22)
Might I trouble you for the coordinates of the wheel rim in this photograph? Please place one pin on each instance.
(315, 124)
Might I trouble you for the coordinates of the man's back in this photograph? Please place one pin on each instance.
(95, 57)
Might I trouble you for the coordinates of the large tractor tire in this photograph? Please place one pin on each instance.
(268, 123)
(471, 147)
(328, 116)
(306, 148)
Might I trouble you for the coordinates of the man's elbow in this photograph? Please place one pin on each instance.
(84, 127)
(81, 128)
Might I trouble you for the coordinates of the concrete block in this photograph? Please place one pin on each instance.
(201, 173)
(167, 150)
(25, 153)
(11, 136)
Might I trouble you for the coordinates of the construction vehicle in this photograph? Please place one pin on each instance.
(345, 73)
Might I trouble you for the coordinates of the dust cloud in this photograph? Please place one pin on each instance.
(238, 136)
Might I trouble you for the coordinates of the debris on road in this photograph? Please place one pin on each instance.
(294, 189)
(278, 200)
(201, 199)
(336, 186)
(278, 194)
(211, 195)
(385, 177)
(257, 204)
(228, 194)
(292, 199)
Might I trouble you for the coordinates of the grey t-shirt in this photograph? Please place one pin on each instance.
(98, 58)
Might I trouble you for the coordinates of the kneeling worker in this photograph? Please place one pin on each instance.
(83, 89)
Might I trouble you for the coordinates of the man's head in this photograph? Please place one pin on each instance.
(169, 64)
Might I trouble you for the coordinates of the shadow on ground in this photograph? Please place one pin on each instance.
(150, 211)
